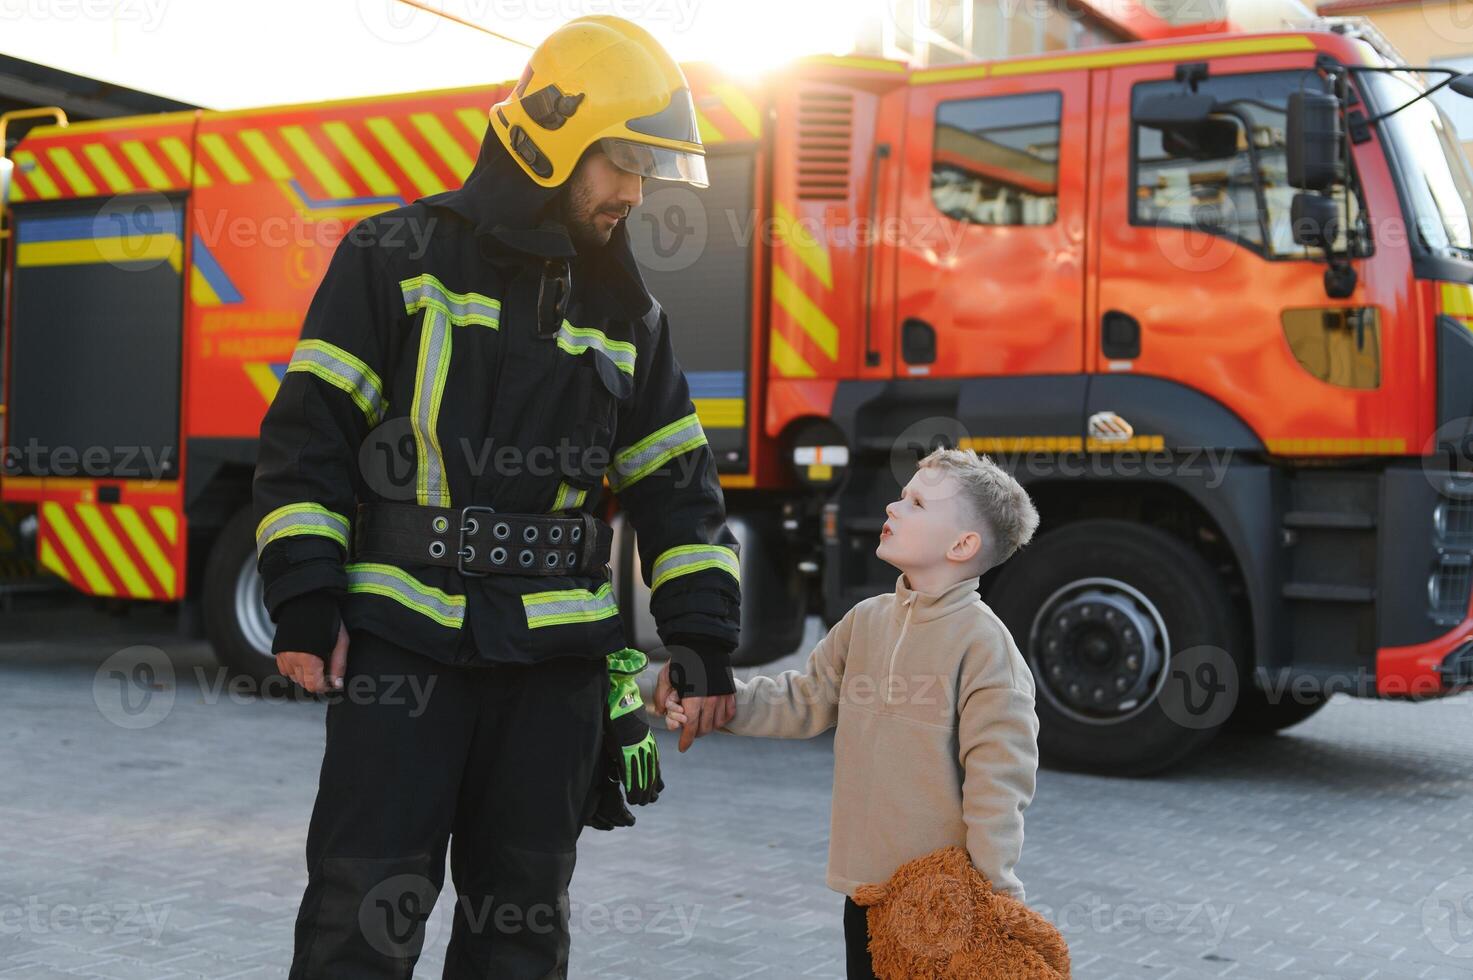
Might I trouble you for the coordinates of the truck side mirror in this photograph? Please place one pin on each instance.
(1188, 126)
(1463, 85)
(6, 165)
(1314, 143)
(1315, 220)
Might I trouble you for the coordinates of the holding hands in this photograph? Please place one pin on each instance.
(691, 716)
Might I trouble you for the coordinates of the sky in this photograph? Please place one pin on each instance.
(225, 55)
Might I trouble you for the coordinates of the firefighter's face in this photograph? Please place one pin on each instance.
(926, 527)
(600, 195)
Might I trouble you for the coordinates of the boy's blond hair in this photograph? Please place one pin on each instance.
(991, 498)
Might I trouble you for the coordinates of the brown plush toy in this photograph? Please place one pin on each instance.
(937, 918)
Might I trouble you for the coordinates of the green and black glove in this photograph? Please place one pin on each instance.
(627, 731)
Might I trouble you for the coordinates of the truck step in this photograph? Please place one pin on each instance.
(1321, 592)
(1338, 520)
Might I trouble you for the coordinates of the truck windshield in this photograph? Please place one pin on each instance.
(1436, 178)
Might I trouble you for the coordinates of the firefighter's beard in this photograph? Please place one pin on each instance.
(588, 220)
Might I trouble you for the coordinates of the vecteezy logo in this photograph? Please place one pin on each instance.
(386, 459)
(668, 232)
(395, 915)
(134, 688)
(919, 439)
(1201, 687)
(1447, 917)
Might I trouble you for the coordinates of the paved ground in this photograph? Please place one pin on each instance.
(163, 839)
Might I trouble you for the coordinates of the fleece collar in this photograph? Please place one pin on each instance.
(933, 605)
(507, 209)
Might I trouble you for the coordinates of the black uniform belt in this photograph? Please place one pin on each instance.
(479, 540)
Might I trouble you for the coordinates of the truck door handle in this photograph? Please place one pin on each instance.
(1120, 336)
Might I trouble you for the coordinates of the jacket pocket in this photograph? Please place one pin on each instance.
(600, 387)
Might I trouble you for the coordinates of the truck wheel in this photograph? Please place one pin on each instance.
(1101, 609)
(1257, 715)
(236, 621)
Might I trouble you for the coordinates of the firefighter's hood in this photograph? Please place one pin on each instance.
(506, 209)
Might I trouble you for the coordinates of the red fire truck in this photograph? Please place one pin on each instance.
(1204, 295)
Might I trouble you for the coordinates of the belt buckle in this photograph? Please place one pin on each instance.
(465, 552)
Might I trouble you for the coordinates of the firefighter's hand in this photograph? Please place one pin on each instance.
(702, 715)
(307, 669)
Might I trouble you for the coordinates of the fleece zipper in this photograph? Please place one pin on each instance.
(890, 672)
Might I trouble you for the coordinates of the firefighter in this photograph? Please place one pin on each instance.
(471, 369)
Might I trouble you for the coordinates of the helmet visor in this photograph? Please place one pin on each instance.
(659, 162)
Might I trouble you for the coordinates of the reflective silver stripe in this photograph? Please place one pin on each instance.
(576, 340)
(686, 558)
(461, 309)
(569, 606)
(634, 463)
(394, 583)
(567, 497)
(343, 371)
(429, 388)
(301, 518)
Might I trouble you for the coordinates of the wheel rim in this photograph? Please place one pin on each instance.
(1098, 649)
(251, 617)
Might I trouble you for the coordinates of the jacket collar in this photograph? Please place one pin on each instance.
(506, 210)
(925, 606)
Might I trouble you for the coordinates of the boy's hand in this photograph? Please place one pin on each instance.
(675, 717)
(698, 716)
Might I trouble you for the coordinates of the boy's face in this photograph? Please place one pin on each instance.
(926, 528)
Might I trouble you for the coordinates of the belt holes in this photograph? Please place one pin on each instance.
(468, 552)
(572, 559)
(441, 525)
(555, 534)
(498, 555)
(552, 559)
(502, 531)
(471, 525)
(526, 557)
(437, 549)
(574, 533)
(529, 533)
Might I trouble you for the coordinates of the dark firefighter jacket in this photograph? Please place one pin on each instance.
(419, 378)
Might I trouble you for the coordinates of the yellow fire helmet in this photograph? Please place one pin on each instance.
(602, 80)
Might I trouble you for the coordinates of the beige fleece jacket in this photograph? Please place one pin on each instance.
(937, 740)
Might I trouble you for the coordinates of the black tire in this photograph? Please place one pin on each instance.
(235, 620)
(1256, 714)
(1143, 580)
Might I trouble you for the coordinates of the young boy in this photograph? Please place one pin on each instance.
(937, 738)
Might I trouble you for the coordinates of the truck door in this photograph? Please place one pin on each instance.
(989, 239)
(1202, 287)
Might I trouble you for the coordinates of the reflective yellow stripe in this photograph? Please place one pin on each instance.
(567, 498)
(162, 568)
(259, 147)
(569, 606)
(61, 528)
(25, 162)
(806, 243)
(686, 558)
(146, 165)
(359, 158)
(342, 370)
(301, 519)
(332, 182)
(167, 521)
(1107, 58)
(112, 549)
(635, 462)
(405, 156)
(475, 122)
(225, 158)
(433, 364)
(450, 151)
(178, 155)
(814, 321)
(377, 578)
(117, 181)
(424, 291)
(72, 171)
(789, 363)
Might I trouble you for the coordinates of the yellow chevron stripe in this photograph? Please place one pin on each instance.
(815, 323)
(739, 105)
(720, 413)
(266, 156)
(475, 122)
(332, 182)
(166, 520)
(162, 568)
(112, 550)
(709, 133)
(263, 378)
(807, 244)
(789, 362)
(50, 559)
(16, 194)
(359, 158)
(62, 529)
(433, 131)
(218, 150)
(72, 171)
(405, 155)
(117, 181)
(39, 178)
(178, 155)
(1457, 299)
(146, 165)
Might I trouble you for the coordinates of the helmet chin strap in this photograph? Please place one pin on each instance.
(553, 290)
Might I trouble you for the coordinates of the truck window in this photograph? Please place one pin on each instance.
(995, 160)
(1218, 195)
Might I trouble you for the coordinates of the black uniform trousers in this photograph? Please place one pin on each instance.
(857, 961)
(494, 761)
